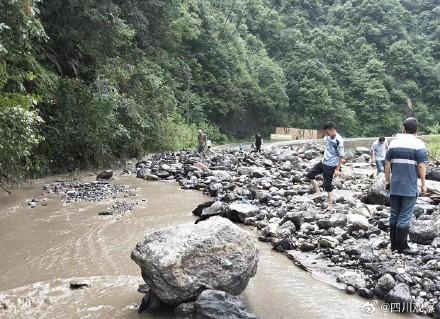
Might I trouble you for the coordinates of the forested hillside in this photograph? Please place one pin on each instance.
(85, 82)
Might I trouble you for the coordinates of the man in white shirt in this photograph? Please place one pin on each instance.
(378, 151)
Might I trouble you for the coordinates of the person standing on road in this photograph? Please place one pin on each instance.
(331, 163)
(378, 152)
(202, 142)
(406, 160)
(258, 142)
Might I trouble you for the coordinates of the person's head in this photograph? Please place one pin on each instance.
(330, 129)
(200, 132)
(381, 139)
(410, 125)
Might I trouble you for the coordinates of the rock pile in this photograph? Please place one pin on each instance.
(269, 191)
(90, 191)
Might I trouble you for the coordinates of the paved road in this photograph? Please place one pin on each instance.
(350, 141)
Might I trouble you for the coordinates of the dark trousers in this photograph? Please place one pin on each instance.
(326, 171)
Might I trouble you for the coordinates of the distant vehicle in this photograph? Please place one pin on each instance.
(421, 133)
(396, 134)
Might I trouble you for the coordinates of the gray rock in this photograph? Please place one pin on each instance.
(179, 262)
(151, 177)
(240, 211)
(384, 285)
(433, 174)
(362, 150)
(335, 220)
(214, 189)
(257, 172)
(215, 304)
(399, 294)
(215, 209)
(376, 197)
(435, 242)
(185, 311)
(306, 246)
(296, 217)
(437, 311)
(352, 278)
(328, 242)
(199, 209)
(105, 174)
(310, 154)
(285, 230)
(423, 231)
(358, 221)
(142, 173)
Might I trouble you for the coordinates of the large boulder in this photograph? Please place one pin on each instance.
(180, 262)
(213, 304)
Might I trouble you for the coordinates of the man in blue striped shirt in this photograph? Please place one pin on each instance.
(406, 160)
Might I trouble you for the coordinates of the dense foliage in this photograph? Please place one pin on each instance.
(85, 82)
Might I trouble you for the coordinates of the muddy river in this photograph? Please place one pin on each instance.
(44, 249)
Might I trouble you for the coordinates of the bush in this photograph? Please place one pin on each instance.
(433, 145)
(175, 134)
(18, 135)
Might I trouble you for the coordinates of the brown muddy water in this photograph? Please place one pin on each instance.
(43, 249)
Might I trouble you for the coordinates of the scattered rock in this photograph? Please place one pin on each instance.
(352, 278)
(78, 285)
(105, 175)
(423, 231)
(400, 294)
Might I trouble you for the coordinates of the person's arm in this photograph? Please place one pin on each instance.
(387, 174)
(341, 153)
(422, 158)
(421, 167)
(338, 167)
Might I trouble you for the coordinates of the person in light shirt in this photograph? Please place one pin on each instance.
(378, 152)
(331, 162)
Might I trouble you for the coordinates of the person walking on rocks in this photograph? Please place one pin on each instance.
(378, 151)
(331, 163)
(406, 160)
(202, 142)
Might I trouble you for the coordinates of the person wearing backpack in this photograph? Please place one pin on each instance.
(330, 165)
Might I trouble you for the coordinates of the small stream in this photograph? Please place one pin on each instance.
(43, 249)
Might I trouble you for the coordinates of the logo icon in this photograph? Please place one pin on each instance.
(369, 307)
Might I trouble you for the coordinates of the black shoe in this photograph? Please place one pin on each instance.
(402, 242)
(393, 237)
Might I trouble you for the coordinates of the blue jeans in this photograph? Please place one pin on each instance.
(402, 208)
(380, 165)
